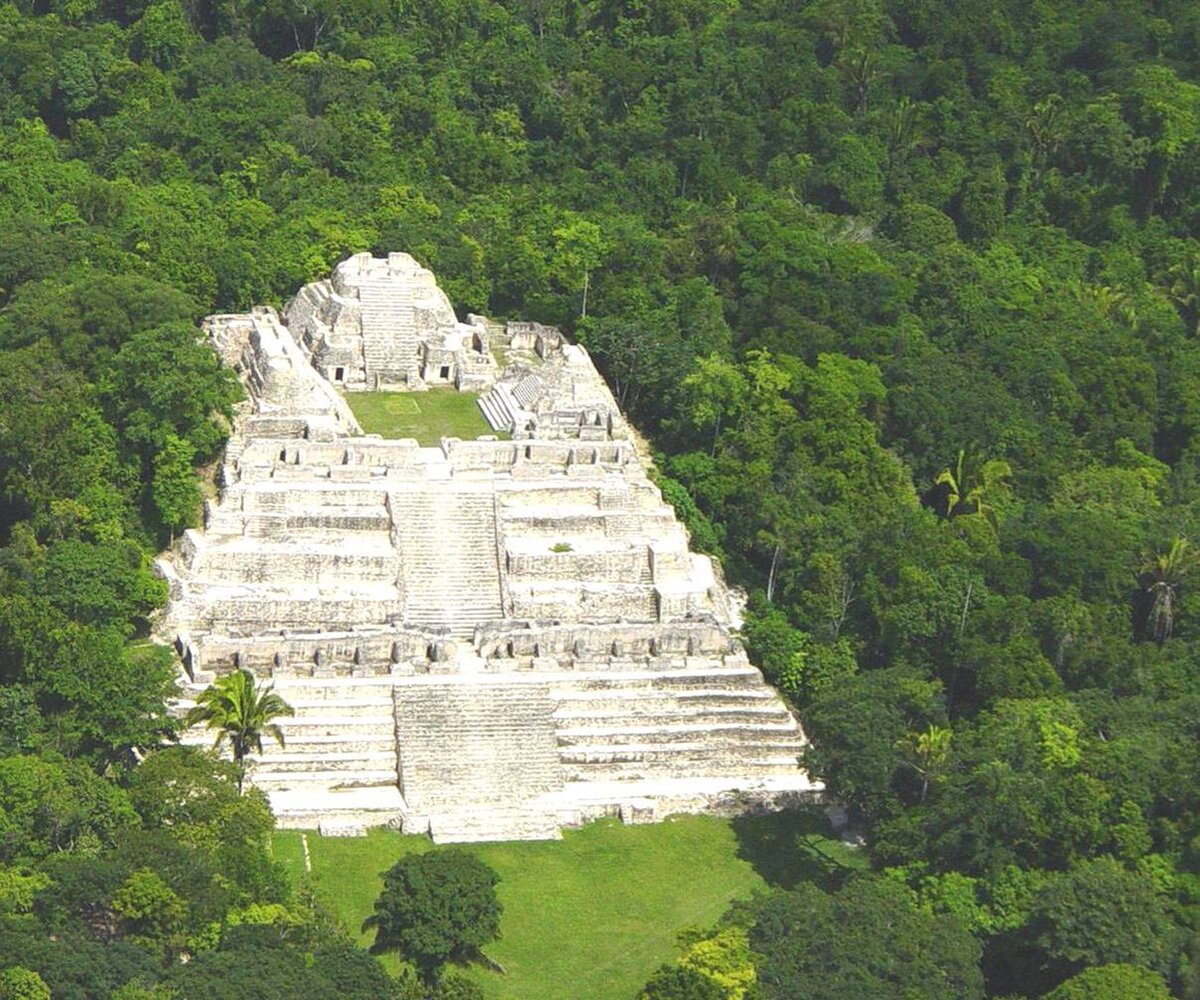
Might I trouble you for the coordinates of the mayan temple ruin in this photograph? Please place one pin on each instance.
(488, 639)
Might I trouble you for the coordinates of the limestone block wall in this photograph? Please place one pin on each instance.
(276, 372)
(607, 566)
(468, 457)
(580, 523)
(584, 600)
(514, 646)
(329, 565)
(252, 614)
(328, 327)
(402, 455)
(366, 451)
(313, 651)
(509, 647)
(536, 458)
(274, 495)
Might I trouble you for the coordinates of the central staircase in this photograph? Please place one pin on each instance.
(446, 533)
(477, 754)
(389, 331)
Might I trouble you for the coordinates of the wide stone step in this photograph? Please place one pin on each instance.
(605, 753)
(493, 824)
(498, 417)
(639, 690)
(337, 811)
(704, 682)
(339, 744)
(745, 770)
(458, 622)
(371, 708)
(310, 689)
(416, 729)
(437, 567)
(450, 605)
(462, 602)
(631, 667)
(635, 715)
(452, 597)
(639, 694)
(270, 778)
(327, 760)
(354, 726)
(342, 690)
(681, 735)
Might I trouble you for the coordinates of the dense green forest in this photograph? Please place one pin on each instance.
(905, 294)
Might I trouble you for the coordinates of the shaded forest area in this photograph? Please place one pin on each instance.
(907, 296)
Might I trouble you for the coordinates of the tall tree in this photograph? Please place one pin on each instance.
(435, 907)
(1159, 578)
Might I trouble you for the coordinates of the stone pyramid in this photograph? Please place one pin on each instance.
(484, 640)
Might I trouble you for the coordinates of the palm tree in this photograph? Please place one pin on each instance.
(969, 490)
(1184, 289)
(240, 712)
(931, 750)
(1159, 578)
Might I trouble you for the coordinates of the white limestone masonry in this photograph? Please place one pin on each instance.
(483, 640)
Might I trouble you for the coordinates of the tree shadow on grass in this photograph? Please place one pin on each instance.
(794, 846)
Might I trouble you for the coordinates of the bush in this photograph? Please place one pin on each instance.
(1112, 982)
(677, 982)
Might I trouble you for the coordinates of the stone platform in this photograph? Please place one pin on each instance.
(483, 640)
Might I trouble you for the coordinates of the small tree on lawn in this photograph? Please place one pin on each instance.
(436, 906)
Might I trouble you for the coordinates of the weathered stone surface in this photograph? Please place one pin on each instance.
(486, 639)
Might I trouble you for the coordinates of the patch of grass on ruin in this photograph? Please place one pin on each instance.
(590, 916)
(426, 416)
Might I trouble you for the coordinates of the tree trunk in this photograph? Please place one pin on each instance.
(771, 575)
(962, 621)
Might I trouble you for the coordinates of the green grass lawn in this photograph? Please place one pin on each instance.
(426, 416)
(593, 915)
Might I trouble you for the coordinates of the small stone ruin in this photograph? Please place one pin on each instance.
(484, 640)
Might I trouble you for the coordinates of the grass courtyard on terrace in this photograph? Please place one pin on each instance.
(426, 416)
(592, 916)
